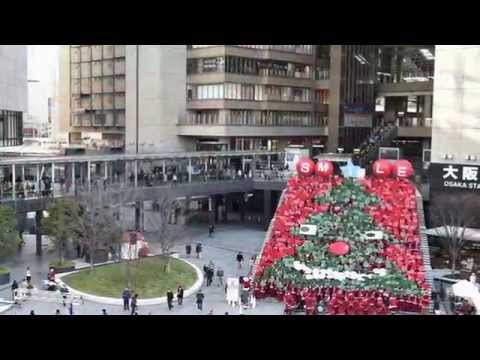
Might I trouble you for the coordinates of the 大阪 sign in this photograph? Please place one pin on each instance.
(455, 177)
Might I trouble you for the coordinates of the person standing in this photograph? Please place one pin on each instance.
(126, 295)
(70, 309)
(170, 299)
(188, 249)
(211, 230)
(180, 295)
(198, 250)
(220, 276)
(14, 289)
(200, 298)
(28, 276)
(104, 312)
(209, 276)
(133, 304)
(57, 312)
(240, 260)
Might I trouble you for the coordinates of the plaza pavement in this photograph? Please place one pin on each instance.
(221, 249)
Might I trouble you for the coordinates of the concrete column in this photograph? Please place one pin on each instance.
(37, 179)
(242, 207)
(23, 182)
(243, 166)
(427, 106)
(73, 178)
(212, 213)
(225, 207)
(106, 170)
(334, 111)
(53, 179)
(89, 176)
(139, 216)
(189, 170)
(14, 183)
(136, 172)
(267, 207)
(38, 232)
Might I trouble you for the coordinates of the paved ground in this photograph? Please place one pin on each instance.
(222, 250)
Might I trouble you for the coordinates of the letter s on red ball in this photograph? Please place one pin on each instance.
(305, 167)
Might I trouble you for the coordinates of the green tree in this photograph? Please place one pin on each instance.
(60, 225)
(9, 237)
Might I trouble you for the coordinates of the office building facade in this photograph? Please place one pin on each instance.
(323, 97)
(92, 94)
(13, 93)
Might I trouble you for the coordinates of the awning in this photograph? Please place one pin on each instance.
(470, 234)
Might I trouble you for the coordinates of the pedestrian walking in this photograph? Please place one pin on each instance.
(14, 289)
(57, 312)
(32, 312)
(70, 309)
(220, 276)
(133, 304)
(198, 250)
(175, 179)
(104, 312)
(170, 299)
(188, 249)
(126, 295)
(28, 276)
(180, 295)
(211, 230)
(240, 260)
(252, 262)
(200, 298)
(209, 276)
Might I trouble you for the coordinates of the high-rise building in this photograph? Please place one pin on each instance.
(455, 155)
(13, 93)
(92, 94)
(156, 98)
(322, 97)
(243, 97)
(101, 85)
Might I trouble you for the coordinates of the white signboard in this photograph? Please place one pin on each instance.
(293, 155)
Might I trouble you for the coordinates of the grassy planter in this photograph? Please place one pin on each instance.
(4, 276)
(64, 267)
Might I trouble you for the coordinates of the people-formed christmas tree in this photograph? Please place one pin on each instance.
(350, 243)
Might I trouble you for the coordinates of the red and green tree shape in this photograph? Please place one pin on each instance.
(345, 211)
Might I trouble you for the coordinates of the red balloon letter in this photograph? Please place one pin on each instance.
(382, 168)
(325, 168)
(305, 167)
(403, 169)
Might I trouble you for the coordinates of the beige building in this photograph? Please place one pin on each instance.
(92, 94)
(456, 131)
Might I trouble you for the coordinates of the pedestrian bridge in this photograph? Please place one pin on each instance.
(29, 184)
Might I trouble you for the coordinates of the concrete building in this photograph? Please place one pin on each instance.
(13, 93)
(322, 97)
(92, 94)
(455, 156)
(101, 86)
(155, 98)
